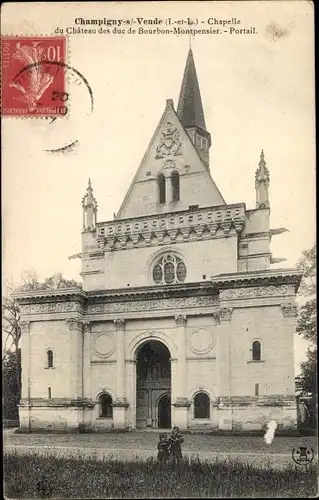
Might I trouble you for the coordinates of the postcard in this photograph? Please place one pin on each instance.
(159, 273)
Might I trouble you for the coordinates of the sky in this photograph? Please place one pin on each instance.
(257, 93)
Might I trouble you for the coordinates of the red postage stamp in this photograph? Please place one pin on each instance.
(33, 76)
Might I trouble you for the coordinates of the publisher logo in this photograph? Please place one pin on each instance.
(303, 455)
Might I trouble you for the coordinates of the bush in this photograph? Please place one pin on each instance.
(32, 475)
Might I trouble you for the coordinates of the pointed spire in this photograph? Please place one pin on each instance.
(89, 206)
(190, 111)
(262, 183)
(190, 108)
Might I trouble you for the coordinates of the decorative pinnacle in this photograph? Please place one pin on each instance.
(262, 172)
(89, 206)
(262, 183)
(88, 199)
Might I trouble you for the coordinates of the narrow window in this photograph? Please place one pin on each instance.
(175, 185)
(256, 389)
(105, 404)
(50, 359)
(201, 405)
(161, 188)
(49, 392)
(256, 350)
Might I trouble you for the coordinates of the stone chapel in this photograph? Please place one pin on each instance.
(180, 319)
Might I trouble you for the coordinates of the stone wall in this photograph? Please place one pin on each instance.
(123, 268)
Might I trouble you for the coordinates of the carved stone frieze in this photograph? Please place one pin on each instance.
(24, 326)
(148, 305)
(120, 324)
(252, 292)
(181, 320)
(225, 313)
(289, 310)
(74, 324)
(51, 307)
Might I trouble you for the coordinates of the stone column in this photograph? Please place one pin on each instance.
(120, 404)
(87, 389)
(25, 403)
(25, 359)
(75, 359)
(181, 404)
(168, 188)
(224, 369)
(288, 328)
(87, 403)
(130, 369)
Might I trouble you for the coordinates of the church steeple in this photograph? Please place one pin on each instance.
(190, 110)
(89, 206)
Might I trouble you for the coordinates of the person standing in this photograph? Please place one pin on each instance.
(163, 448)
(176, 440)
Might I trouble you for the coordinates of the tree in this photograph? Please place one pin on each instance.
(10, 307)
(11, 365)
(307, 321)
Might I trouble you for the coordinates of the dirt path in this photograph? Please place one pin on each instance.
(277, 460)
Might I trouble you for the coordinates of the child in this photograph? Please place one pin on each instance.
(176, 441)
(163, 448)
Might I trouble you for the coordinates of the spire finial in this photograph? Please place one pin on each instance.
(190, 41)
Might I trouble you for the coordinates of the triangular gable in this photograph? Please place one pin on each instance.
(170, 149)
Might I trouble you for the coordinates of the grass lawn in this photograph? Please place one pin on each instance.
(78, 477)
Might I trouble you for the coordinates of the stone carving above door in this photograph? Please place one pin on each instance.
(103, 345)
(201, 341)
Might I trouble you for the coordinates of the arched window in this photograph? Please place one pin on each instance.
(161, 188)
(105, 406)
(168, 270)
(50, 358)
(175, 186)
(201, 405)
(256, 351)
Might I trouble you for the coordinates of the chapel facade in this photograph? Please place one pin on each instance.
(180, 319)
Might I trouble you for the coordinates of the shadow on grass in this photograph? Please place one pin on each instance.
(35, 476)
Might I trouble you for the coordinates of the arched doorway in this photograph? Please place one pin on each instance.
(164, 412)
(153, 374)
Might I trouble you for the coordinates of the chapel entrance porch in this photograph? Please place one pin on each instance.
(153, 386)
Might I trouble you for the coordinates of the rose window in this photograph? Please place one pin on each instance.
(168, 270)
